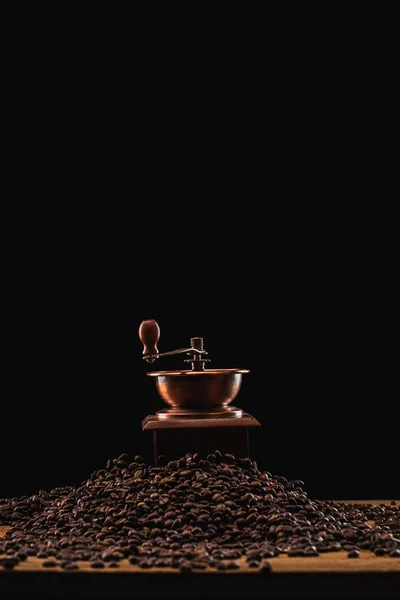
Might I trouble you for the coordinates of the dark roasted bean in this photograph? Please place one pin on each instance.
(353, 553)
(50, 562)
(227, 471)
(164, 515)
(253, 564)
(335, 546)
(97, 564)
(9, 562)
(185, 567)
(186, 473)
(266, 568)
(296, 552)
(261, 519)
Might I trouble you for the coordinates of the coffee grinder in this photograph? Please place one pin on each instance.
(199, 417)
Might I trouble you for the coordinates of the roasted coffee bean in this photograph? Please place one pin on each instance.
(229, 458)
(253, 564)
(144, 564)
(50, 562)
(165, 515)
(267, 553)
(335, 547)
(353, 553)
(266, 568)
(97, 564)
(348, 547)
(186, 473)
(261, 519)
(10, 558)
(296, 552)
(227, 472)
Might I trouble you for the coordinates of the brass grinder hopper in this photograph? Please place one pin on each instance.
(199, 417)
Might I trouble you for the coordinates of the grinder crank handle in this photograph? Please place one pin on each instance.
(149, 334)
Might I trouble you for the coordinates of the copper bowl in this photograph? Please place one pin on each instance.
(206, 389)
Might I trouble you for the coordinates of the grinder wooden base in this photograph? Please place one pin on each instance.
(175, 437)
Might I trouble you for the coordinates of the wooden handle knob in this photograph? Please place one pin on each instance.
(149, 334)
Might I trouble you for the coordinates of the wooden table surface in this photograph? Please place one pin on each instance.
(366, 575)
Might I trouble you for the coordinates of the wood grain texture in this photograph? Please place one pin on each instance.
(333, 562)
(337, 562)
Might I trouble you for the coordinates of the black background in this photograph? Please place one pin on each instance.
(288, 267)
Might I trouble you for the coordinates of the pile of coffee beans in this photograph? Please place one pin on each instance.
(189, 514)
